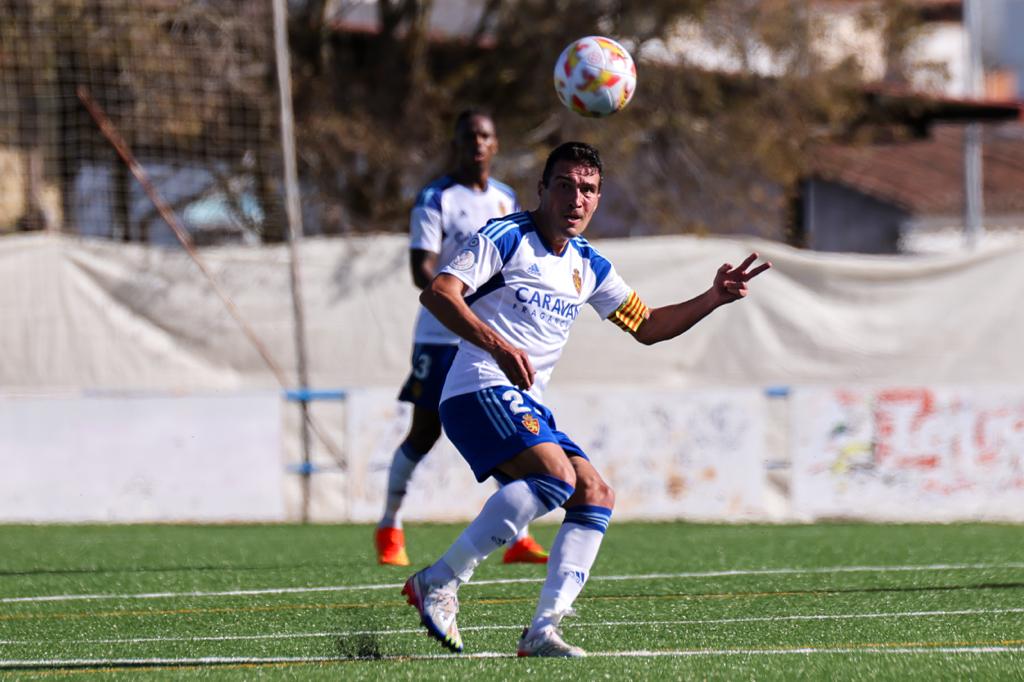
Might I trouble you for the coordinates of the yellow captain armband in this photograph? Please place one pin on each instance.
(631, 313)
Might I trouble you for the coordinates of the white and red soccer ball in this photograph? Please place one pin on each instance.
(595, 76)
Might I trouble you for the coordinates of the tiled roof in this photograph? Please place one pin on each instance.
(928, 10)
(926, 176)
(955, 4)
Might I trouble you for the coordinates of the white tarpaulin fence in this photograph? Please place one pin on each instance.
(86, 315)
(99, 315)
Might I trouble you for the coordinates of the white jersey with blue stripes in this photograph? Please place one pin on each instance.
(445, 217)
(529, 295)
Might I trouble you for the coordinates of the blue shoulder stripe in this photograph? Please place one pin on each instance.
(495, 228)
(598, 263)
(430, 196)
(507, 233)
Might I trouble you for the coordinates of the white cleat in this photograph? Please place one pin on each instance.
(437, 607)
(547, 642)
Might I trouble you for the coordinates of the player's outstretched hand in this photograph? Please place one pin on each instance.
(516, 365)
(731, 283)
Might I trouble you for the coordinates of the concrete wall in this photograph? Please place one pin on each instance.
(141, 458)
(901, 453)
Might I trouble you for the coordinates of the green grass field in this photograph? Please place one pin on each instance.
(666, 601)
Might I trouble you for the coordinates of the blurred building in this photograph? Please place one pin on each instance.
(907, 195)
(900, 187)
(445, 20)
(896, 184)
(1002, 48)
(837, 31)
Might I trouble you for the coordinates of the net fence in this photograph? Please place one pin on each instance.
(189, 85)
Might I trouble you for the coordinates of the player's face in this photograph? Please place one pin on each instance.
(476, 143)
(570, 198)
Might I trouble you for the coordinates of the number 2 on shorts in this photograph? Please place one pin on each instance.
(515, 402)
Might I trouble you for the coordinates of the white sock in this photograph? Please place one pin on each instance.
(509, 509)
(403, 463)
(572, 555)
(523, 532)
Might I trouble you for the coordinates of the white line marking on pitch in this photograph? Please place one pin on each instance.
(510, 581)
(471, 628)
(236, 660)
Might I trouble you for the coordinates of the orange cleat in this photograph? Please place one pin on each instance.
(391, 547)
(526, 551)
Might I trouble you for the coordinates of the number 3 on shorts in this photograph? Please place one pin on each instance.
(515, 402)
(421, 367)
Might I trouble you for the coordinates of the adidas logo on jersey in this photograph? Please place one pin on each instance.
(533, 269)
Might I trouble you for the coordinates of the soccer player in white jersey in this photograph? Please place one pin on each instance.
(512, 293)
(448, 212)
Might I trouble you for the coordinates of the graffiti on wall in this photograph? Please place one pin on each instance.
(908, 453)
(668, 453)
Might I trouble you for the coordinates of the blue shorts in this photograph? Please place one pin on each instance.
(495, 424)
(430, 365)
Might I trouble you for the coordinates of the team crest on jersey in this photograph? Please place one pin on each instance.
(577, 281)
(464, 260)
(531, 423)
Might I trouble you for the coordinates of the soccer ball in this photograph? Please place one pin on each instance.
(595, 76)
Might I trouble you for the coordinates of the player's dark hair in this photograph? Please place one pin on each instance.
(576, 152)
(466, 114)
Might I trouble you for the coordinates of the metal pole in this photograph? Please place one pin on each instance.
(294, 213)
(973, 199)
(973, 196)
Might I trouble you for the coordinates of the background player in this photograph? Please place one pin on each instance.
(512, 293)
(447, 213)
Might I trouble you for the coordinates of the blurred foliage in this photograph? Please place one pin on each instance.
(698, 150)
(705, 150)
